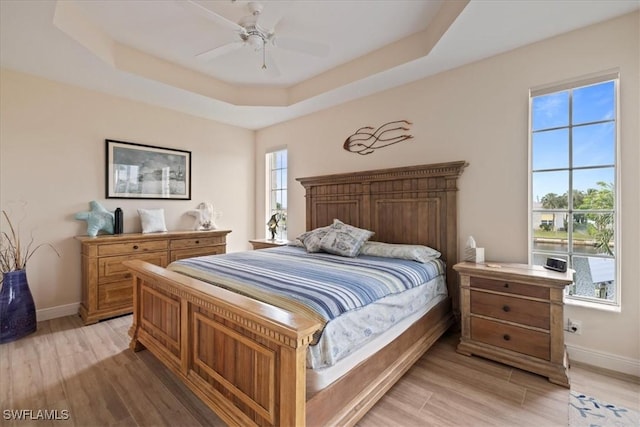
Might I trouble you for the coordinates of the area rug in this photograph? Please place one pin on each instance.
(588, 411)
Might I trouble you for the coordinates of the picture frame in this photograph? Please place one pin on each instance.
(139, 171)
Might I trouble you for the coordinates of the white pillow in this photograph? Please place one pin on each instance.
(344, 239)
(390, 250)
(152, 220)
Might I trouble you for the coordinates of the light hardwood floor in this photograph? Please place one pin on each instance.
(89, 371)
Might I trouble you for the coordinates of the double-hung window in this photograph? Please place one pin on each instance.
(276, 180)
(573, 184)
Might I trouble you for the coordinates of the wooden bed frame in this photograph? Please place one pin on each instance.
(246, 359)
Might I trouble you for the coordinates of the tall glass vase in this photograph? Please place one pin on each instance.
(17, 310)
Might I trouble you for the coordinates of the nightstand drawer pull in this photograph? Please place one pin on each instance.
(506, 285)
(135, 246)
(506, 337)
(506, 308)
(197, 242)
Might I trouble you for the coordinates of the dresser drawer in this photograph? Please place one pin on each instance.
(521, 340)
(113, 295)
(195, 252)
(509, 287)
(131, 247)
(197, 241)
(111, 269)
(518, 310)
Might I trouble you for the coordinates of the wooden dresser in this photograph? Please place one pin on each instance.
(107, 290)
(513, 314)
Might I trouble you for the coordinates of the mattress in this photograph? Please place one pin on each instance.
(430, 294)
(354, 299)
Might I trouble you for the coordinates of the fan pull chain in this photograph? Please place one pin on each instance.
(264, 54)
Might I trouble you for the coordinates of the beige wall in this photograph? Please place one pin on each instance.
(52, 157)
(479, 113)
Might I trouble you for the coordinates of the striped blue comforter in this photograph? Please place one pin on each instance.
(320, 285)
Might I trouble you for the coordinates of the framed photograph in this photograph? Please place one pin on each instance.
(137, 171)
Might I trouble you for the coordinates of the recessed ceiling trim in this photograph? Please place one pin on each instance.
(69, 19)
(393, 55)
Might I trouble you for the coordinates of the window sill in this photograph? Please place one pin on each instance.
(613, 308)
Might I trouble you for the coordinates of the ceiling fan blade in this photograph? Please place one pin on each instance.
(219, 51)
(211, 15)
(272, 14)
(302, 46)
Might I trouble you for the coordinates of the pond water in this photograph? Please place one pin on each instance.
(559, 247)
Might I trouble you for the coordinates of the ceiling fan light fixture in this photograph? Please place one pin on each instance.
(255, 41)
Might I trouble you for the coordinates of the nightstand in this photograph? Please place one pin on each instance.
(267, 243)
(513, 314)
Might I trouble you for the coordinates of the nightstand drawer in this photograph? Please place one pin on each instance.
(521, 340)
(518, 310)
(509, 287)
(131, 247)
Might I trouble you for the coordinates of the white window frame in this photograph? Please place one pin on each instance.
(271, 188)
(611, 75)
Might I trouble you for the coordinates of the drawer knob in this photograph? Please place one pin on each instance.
(506, 285)
(506, 308)
(506, 337)
(135, 246)
(197, 242)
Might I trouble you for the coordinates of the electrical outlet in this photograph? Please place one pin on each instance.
(574, 326)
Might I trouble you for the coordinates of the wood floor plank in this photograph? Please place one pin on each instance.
(37, 383)
(38, 345)
(146, 398)
(6, 377)
(92, 398)
(458, 377)
(198, 410)
(67, 336)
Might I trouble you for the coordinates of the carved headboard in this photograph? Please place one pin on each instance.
(414, 205)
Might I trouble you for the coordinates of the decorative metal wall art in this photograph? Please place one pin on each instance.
(366, 141)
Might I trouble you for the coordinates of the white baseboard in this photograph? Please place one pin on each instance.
(604, 360)
(58, 311)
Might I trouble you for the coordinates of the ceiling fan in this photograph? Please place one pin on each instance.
(257, 31)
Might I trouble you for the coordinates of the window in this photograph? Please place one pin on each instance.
(574, 197)
(276, 180)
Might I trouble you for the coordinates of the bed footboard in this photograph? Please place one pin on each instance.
(243, 358)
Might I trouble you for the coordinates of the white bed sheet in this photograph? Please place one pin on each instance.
(427, 295)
